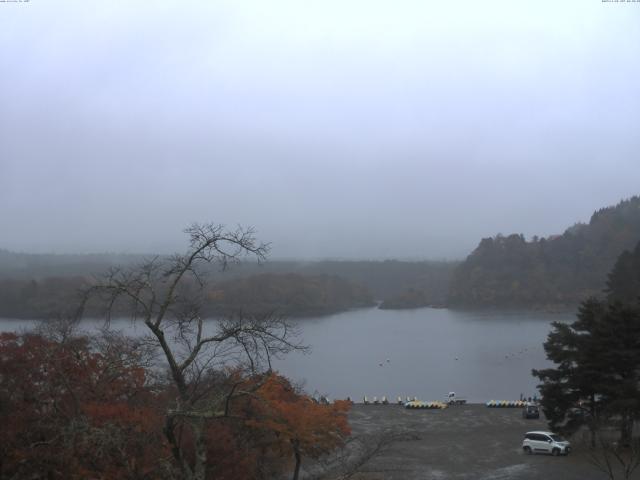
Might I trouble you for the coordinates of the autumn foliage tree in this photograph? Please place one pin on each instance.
(75, 409)
(80, 407)
(299, 425)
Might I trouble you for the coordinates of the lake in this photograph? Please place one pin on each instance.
(481, 355)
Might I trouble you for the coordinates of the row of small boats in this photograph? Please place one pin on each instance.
(506, 403)
(426, 405)
(384, 401)
(419, 404)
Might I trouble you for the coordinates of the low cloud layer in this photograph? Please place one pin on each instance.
(337, 129)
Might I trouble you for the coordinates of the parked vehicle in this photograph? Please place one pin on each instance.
(545, 442)
(452, 399)
(530, 410)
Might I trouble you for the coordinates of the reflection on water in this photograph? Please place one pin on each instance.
(482, 355)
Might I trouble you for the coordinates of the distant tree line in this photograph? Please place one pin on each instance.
(49, 297)
(42, 286)
(284, 294)
(383, 279)
(287, 294)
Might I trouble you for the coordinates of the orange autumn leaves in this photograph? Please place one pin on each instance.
(69, 412)
(297, 419)
(72, 410)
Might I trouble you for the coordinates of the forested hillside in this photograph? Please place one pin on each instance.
(623, 284)
(559, 270)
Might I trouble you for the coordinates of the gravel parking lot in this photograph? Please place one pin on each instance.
(464, 442)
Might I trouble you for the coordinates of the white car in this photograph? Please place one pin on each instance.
(545, 442)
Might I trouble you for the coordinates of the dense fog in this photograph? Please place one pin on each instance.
(336, 129)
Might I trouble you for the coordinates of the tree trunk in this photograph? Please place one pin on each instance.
(626, 427)
(592, 422)
(199, 470)
(592, 432)
(296, 453)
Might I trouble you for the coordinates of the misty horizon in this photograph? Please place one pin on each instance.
(344, 130)
(284, 258)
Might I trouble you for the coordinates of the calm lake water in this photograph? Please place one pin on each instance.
(481, 355)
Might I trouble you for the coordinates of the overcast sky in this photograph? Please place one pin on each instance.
(337, 128)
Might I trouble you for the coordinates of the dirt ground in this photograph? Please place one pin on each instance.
(465, 442)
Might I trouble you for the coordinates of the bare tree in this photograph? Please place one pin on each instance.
(613, 459)
(354, 459)
(167, 295)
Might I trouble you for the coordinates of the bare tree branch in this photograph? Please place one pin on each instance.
(167, 295)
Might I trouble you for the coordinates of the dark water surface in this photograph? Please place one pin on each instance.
(482, 355)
